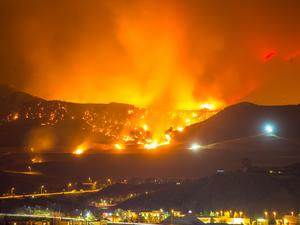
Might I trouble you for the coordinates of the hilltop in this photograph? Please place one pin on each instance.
(245, 120)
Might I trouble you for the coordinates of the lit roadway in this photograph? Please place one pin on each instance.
(73, 192)
(8, 215)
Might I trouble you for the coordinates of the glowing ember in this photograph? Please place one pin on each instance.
(78, 151)
(168, 138)
(180, 129)
(209, 106)
(145, 127)
(81, 149)
(16, 116)
(36, 160)
(152, 145)
(156, 144)
(119, 146)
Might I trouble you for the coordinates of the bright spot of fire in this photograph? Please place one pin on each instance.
(168, 138)
(16, 116)
(180, 129)
(188, 121)
(209, 106)
(36, 160)
(145, 127)
(155, 144)
(119, 146)
(78, 151)
(151, 145)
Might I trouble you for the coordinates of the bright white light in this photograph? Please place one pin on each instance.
(118, 146)
(209, 106)
(145, 127)
(151, 145)
(87, 214)
(269, 129)
(78, 151)
(194, 147)
(180, 129)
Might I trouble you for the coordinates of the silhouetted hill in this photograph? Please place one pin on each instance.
(126, 189)
(23, 116)
(25, 119)
(254, 192)
(244, 120)
(81, 201)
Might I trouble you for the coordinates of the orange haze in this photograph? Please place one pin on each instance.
(153, 53)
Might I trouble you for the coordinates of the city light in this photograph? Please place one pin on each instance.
(194, 146)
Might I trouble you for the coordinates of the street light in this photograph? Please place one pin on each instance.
(269, 129)
(42, 188)
(12, 190)
(195, 147)
(69, 186)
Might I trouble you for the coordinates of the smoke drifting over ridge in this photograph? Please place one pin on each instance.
(170, 53)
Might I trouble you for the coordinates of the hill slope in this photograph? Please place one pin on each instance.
(235, 190)
(244, 120)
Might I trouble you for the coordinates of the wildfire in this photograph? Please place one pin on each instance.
(145, 127)
(119, 147)
(130, 126)
(155, 144)
(151, 145)
(36, 160)
(180, 129)
(80, 149)
(150, 129)
(209, 106)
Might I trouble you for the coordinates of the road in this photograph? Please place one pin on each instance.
(74, 192)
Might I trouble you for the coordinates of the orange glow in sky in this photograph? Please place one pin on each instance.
(176, 54)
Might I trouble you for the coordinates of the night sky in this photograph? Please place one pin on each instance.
(177, 53)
